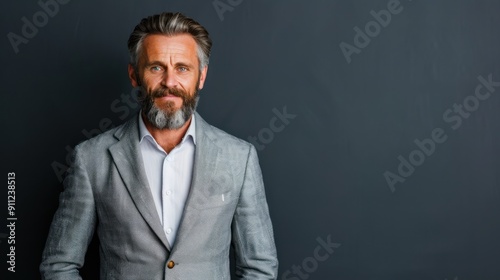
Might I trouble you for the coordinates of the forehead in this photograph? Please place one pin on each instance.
(160, 47)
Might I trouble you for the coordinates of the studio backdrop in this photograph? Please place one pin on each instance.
(377, 124)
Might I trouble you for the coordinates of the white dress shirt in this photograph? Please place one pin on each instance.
(169, 175)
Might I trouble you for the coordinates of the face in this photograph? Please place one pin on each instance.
(169, 77)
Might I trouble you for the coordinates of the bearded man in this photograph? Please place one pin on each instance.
(166, 193)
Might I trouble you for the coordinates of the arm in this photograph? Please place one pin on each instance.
(72, 227)
(253, 238)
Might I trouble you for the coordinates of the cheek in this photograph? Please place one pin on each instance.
(190, 84)
(151, 81)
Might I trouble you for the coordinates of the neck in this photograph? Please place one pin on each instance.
(167, 138)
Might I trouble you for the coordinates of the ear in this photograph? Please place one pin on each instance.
(203, 76)
(132, 76)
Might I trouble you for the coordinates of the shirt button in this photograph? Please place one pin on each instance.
(169, 231)
(169, 192)
(170, 264)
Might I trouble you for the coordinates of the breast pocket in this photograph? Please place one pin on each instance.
(217, 191)
(213, 200)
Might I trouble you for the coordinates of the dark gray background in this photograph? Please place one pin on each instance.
(324, 171)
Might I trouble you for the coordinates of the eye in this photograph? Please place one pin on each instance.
(155, 68)
(182, 69)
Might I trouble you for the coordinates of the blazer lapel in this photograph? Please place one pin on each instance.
(128, 160)
(205, 166)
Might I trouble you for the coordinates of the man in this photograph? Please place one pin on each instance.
(167, 193)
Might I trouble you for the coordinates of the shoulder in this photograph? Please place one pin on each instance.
(220, 138)
(100, 143)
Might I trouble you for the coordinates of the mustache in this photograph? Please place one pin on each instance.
(164, 91)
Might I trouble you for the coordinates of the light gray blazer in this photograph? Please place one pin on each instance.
(107, 192)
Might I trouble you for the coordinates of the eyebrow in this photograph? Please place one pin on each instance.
(157, 62)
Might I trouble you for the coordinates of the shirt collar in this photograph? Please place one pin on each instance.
(190, 133)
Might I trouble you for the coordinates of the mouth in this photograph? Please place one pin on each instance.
(168, 96)
(168, 99)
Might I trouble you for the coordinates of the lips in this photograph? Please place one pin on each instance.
(168, 96)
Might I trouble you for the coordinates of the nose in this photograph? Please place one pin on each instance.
(169, 79)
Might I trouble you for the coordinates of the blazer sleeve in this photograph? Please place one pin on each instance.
(253, 239)
(72, 227)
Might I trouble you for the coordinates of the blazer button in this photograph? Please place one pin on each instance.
(170, 264)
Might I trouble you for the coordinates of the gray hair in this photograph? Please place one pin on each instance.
(170, 24)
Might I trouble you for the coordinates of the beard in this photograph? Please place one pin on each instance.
(166, 116)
